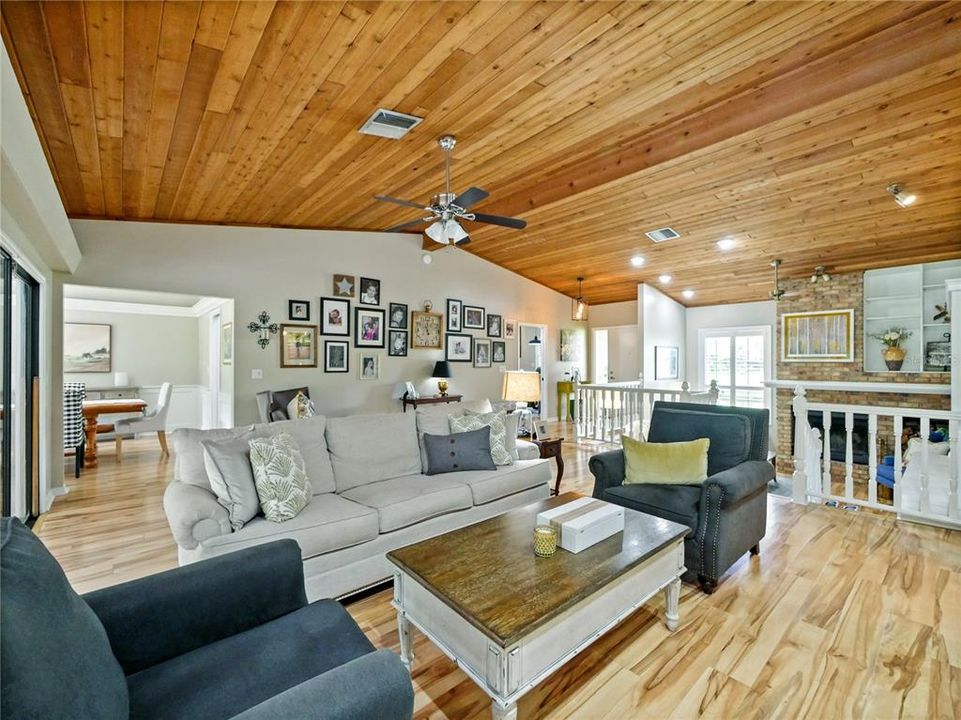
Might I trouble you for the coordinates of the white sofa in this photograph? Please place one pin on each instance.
(370, 495)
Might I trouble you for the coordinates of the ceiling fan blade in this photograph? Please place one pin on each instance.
(411, 223)
(398, 201)
(515, 223)
(471, 196)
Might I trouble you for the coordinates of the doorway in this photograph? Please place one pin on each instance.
(531, 350)
(19, 385)
(213, 371)
(615, 354)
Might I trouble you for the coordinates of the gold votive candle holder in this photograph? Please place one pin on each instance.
(545, 540)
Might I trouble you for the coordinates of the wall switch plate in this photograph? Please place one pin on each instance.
(256, 374)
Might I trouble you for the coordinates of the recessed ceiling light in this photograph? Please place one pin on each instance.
(664, 279)
(727, 243)
(637, 261)
(688, 294)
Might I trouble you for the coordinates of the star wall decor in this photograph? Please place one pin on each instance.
(344, 285)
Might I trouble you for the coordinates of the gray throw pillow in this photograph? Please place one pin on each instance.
(498, 425)
(459, 451)
(232, 479)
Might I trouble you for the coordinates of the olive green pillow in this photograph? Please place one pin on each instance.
(678, 463)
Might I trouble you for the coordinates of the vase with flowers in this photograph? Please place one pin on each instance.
(893, 353)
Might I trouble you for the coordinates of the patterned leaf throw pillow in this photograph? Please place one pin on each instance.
(300, 407)
(282, 484)
(497, 421)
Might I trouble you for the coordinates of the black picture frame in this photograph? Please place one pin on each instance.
(482, 352)
(368, 291)
(396, 343)
(498, 352)
(326, 324)
(393, 309)
(345, 346)
(471, 309)
(360, 330)
(452, 341)
(298, 310)
(495, 325)
(455, 315)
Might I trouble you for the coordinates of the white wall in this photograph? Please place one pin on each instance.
(613, 314)
(662, 321)
(261, 268)
(151, 349)
(713, 317)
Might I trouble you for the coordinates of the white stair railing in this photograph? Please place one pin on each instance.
(608, 410)
(924, 490)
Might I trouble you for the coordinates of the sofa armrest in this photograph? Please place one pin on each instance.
(740, 481)
(373, 686)
(194, 515)
(527, 450)
(168, 614)
(608, 469)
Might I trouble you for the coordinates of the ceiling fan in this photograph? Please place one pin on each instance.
(447, 210)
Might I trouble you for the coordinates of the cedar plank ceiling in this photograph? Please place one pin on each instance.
(776, 123)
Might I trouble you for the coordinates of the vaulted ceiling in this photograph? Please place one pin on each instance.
(776, 124)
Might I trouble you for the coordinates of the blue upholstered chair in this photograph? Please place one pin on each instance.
(231, 637)
(727, 513)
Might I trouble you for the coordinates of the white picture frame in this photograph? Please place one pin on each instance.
(368, 366)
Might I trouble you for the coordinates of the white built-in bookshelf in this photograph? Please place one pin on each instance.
(906, 297)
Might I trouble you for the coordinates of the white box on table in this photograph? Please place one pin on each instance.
(583, 522)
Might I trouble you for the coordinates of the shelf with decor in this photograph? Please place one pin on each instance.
(908, 297)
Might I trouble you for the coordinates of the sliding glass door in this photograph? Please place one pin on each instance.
(19, 407)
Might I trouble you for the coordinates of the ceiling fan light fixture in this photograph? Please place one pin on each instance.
(436, 231)
(902, 198)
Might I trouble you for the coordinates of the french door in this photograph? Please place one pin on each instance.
(19, 385)
(739, 360)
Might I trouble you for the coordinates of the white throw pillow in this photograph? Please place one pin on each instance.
(498, 425)
(300, 407)
(510, 431)
(282, 484)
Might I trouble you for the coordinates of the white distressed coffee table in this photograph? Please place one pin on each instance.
(509, 618)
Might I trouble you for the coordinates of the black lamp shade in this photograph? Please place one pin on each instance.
(441, 369)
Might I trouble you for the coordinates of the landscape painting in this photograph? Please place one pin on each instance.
(86, 348)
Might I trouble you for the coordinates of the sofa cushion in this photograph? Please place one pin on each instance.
(189, 455)
(55, 657)
(407, 500)
(369, 448)
(225, 678)
(671, 502)
(309, 434)
(433, 419)
(459, 452)
(489, 485)
(730, 434)
(232, 479)
(328, 523)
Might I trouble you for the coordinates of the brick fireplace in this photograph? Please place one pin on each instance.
(843, 291)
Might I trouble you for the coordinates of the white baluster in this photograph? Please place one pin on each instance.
(849, 456)
(826, 476)
(872, 457)
(898, 425)
(924, 491)
(801, 430)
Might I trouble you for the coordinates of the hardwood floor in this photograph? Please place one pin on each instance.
(843, 615)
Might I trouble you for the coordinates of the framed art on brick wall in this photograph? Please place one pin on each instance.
(822, 336)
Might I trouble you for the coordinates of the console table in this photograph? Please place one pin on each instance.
(566, 391)
(434, 400)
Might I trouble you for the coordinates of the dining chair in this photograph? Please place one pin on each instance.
(73, 437)
(152, 422)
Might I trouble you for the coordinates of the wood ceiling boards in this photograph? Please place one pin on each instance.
(778, 124)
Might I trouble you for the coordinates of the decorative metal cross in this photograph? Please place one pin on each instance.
(265, 328)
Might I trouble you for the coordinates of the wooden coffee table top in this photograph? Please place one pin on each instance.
(489, 575)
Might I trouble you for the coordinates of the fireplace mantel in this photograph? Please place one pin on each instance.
(873, 387)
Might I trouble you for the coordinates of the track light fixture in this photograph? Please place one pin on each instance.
(902, 198)
(820, 273)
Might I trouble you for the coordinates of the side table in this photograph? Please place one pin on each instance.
(551, 448)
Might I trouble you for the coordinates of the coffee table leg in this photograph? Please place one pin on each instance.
(406, 642)
(672, 596)
(503, 712)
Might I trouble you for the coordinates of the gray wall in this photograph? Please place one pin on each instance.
(261, 268)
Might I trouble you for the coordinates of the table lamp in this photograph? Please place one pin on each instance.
(441, 372)
(522, 386)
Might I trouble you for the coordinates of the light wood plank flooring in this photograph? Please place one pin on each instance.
(843, 615)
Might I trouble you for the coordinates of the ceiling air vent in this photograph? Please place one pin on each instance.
(663, 234)
(389, 124)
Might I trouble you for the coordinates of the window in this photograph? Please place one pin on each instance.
(739, 359)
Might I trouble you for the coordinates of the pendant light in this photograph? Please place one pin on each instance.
(579, 305)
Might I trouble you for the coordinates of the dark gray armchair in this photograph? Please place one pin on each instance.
(272, 404)
(230, 637)
(727, 514)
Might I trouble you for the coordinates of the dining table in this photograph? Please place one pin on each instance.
(92, 410)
